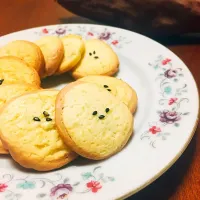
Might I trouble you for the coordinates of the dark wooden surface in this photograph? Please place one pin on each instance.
(182, 180)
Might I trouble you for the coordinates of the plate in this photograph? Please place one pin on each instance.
(165, 121)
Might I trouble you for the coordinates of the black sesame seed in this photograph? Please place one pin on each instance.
(90, 54)
(94, 113)
(96, 57)
(101, 116)
(107, 110)
(37, 119)
(48, 119)
(94, 52)
(1, 81)
(45, 113)
(109, 90)
(105, 86)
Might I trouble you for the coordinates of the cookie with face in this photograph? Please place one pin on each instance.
(53, 51)
(99, 59)
(27, 51)
(117, 87)
(8, 92)
(92, 121)
(73, 50)
(27, 129)
(15, 70)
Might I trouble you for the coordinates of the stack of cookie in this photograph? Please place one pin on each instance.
(45, 129)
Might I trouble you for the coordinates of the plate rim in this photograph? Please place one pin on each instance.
(181, 151)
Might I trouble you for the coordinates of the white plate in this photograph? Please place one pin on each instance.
(165, 122)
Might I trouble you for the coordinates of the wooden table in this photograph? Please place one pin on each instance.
(182, 181)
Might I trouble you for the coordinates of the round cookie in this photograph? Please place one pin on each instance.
(7, 92)
(27, 129)
(73, 50)
(53, 51)
(92, 121)
(117, 87)
(98, 59)
(27, 51)
(15, 70)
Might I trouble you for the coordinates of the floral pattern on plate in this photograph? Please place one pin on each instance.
(172, 97)
(60, 188)
(87, 33)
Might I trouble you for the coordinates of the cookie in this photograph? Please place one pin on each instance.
(92, 121)
(98, 59)
(15, 70)
(7, 92)
(53, 51)
(73, 50)
(117, 87)
(27, 129)
(27, 51)
(2, 149)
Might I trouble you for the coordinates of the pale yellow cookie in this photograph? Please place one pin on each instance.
(73, 50)
(27, 129)
(15, 70)
(27, 51)
(53, 51)
(98, 59)
(92, 121)
(7, 92)
(117, 87)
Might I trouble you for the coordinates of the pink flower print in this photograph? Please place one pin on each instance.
(94, 186)
(115, 42)
(154, 129)
(45, 31)
(3, 187)
(90, 34)
(172, 101)
(166, 61)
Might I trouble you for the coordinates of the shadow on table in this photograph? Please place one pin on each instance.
(167, 40)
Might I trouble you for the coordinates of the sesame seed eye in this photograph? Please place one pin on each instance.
(46, 114)
(107, 110)
(1, 81)
(101, 116)
(94, 113)
(37, 119)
